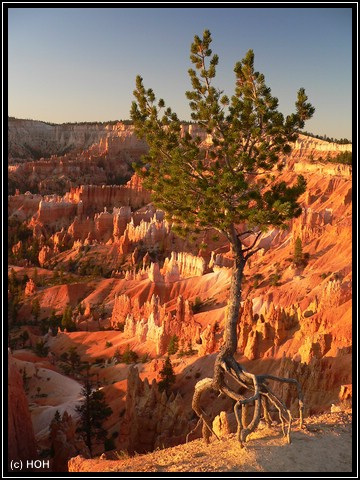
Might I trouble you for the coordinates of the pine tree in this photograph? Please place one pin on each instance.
(167, 376)
(93, 412)
(35, 309)
(67, 321)
(232, 185)
(173, 346)
(298, 252)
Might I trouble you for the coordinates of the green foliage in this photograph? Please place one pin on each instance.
(258, 277)
(229, 182)
(29, 248)
(341, 141)
(188, 349)
(54, 427)
(93, 411)
(144, 358)
(120, 326)
(298, 252)
(324, 275)
(129, 356)
(274, 279)
(344, 158)
(167, 376)
(41, 349)
(67, 321)
(173, 346)
(57, 417)
(35, 309)
(117, 355)
(108, 344)
(25, 378)
(52, 323)
(198, 304)
(81, 308)
(24, 337)
(71, 363)
(300, 258)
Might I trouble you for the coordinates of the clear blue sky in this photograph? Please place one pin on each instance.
(80, 64)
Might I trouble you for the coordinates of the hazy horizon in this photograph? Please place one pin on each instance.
(73, 65)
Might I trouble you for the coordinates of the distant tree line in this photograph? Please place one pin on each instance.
(342, 141)
(343, 157)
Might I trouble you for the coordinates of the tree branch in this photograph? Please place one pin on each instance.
(257, 235)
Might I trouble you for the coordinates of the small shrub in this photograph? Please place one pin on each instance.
(108, 344)
(274, 279)
(40, 349)
(173, 346)
(129, 356)
(117, 355)
(144, 358)
(120, 326)
(196, 305)
(199, 304)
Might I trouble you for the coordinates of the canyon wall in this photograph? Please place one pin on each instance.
(29, 138)
(21, 438)
(69, 155)
(53, 158)
(34, 139)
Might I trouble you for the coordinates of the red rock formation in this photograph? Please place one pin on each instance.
(306, 147)
(66, 443)
(184, 265)
(21, 438)
(23, 206)
(94, 198)
(151, 322)
(30, 287)
(152, 419)
(121, 217)
(29, 136)
(55, 211)
(306, 317)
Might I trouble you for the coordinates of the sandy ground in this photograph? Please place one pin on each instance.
(324, 445)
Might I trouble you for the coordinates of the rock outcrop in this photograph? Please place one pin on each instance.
(95, 197)
(21, 438)
(152, 419)
(152, 322)
(98, 154)
(65, 442)
(35, 139)
(315, 148)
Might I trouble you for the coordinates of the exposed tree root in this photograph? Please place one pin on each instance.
(254, 391)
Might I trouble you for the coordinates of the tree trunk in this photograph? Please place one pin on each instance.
(254, 388)
(228, 350)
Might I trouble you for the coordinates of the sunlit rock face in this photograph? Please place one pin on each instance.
(295, 320)
(31, 138)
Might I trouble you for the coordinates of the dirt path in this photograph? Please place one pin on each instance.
(325, 445)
